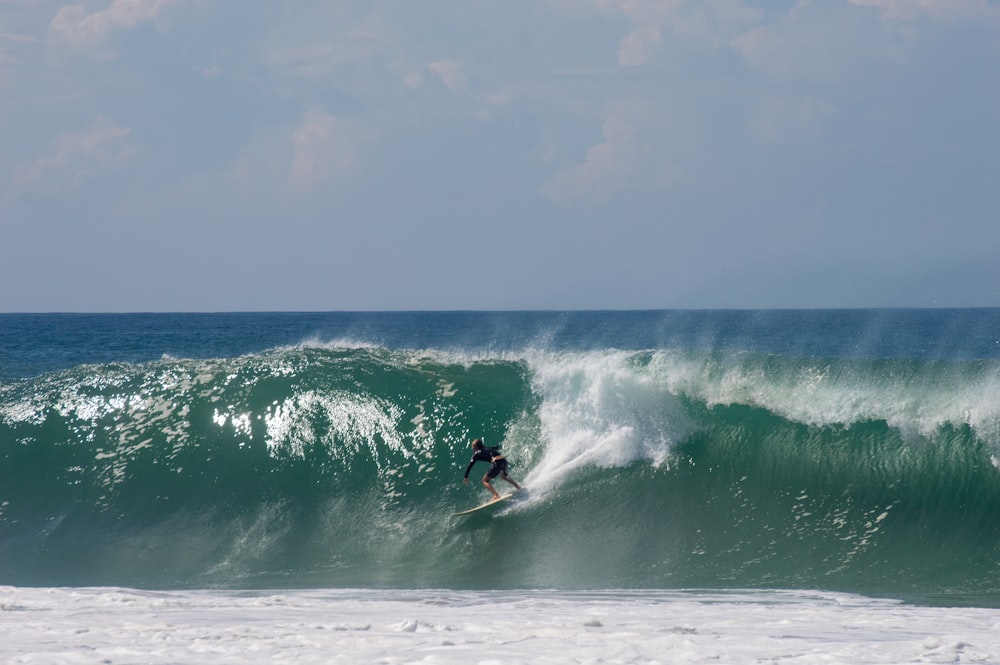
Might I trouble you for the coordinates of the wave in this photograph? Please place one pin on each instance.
(340, 464)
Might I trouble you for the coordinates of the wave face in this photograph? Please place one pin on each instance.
(339, 464)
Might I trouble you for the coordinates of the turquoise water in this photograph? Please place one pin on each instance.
(837, 450)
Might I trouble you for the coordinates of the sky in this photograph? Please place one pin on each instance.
(318, 155)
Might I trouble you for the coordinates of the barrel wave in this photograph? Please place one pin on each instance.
(340, 465)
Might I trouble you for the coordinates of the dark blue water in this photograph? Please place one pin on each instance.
(31, 344)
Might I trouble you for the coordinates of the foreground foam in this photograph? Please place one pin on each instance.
(88, 625)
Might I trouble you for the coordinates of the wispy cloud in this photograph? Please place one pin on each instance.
(10, 44)
(783, 119)
(803, 44)
(946, 10)
(73, 24)
(636, 46)
(75, 157)
(451, 72)
(330, 40)
(706, 21)
(325, 150)
(604, 171)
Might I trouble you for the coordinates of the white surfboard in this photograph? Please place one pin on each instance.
(491, 502)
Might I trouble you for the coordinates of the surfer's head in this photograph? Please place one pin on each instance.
(477, 444)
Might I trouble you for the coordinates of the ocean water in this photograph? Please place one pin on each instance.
(715, 485)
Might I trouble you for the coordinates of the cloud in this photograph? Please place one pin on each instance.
(318, 156)
(653, 24)
(807, 42)
(790, 119)
(75, 157)
(211, 71)
(637, 46)
(451, 72)
(331, 39)
(548, 147)
(13, 52)
(12, 43)
(413, 80)
(605, 170)
(945, 10)
(77, 27)
(325, 150)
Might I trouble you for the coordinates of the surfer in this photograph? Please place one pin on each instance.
(498, 466)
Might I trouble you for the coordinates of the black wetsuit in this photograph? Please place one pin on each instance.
(497, 462)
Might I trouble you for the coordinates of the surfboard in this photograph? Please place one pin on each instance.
(491, 502)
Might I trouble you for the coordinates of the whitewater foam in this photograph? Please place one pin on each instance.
(601, 409)
(90, 625)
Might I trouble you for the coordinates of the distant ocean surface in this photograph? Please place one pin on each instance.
(672, 458)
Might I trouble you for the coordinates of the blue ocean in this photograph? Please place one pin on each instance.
(842, 451)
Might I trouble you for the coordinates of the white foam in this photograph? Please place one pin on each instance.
(601, 409)
(95, 625)
(616, 407)
(827, 393)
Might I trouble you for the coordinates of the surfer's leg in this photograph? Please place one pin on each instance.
(487, 485)
(501, 467)
(509, 480)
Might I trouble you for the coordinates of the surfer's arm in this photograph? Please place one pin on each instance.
(469, 468)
